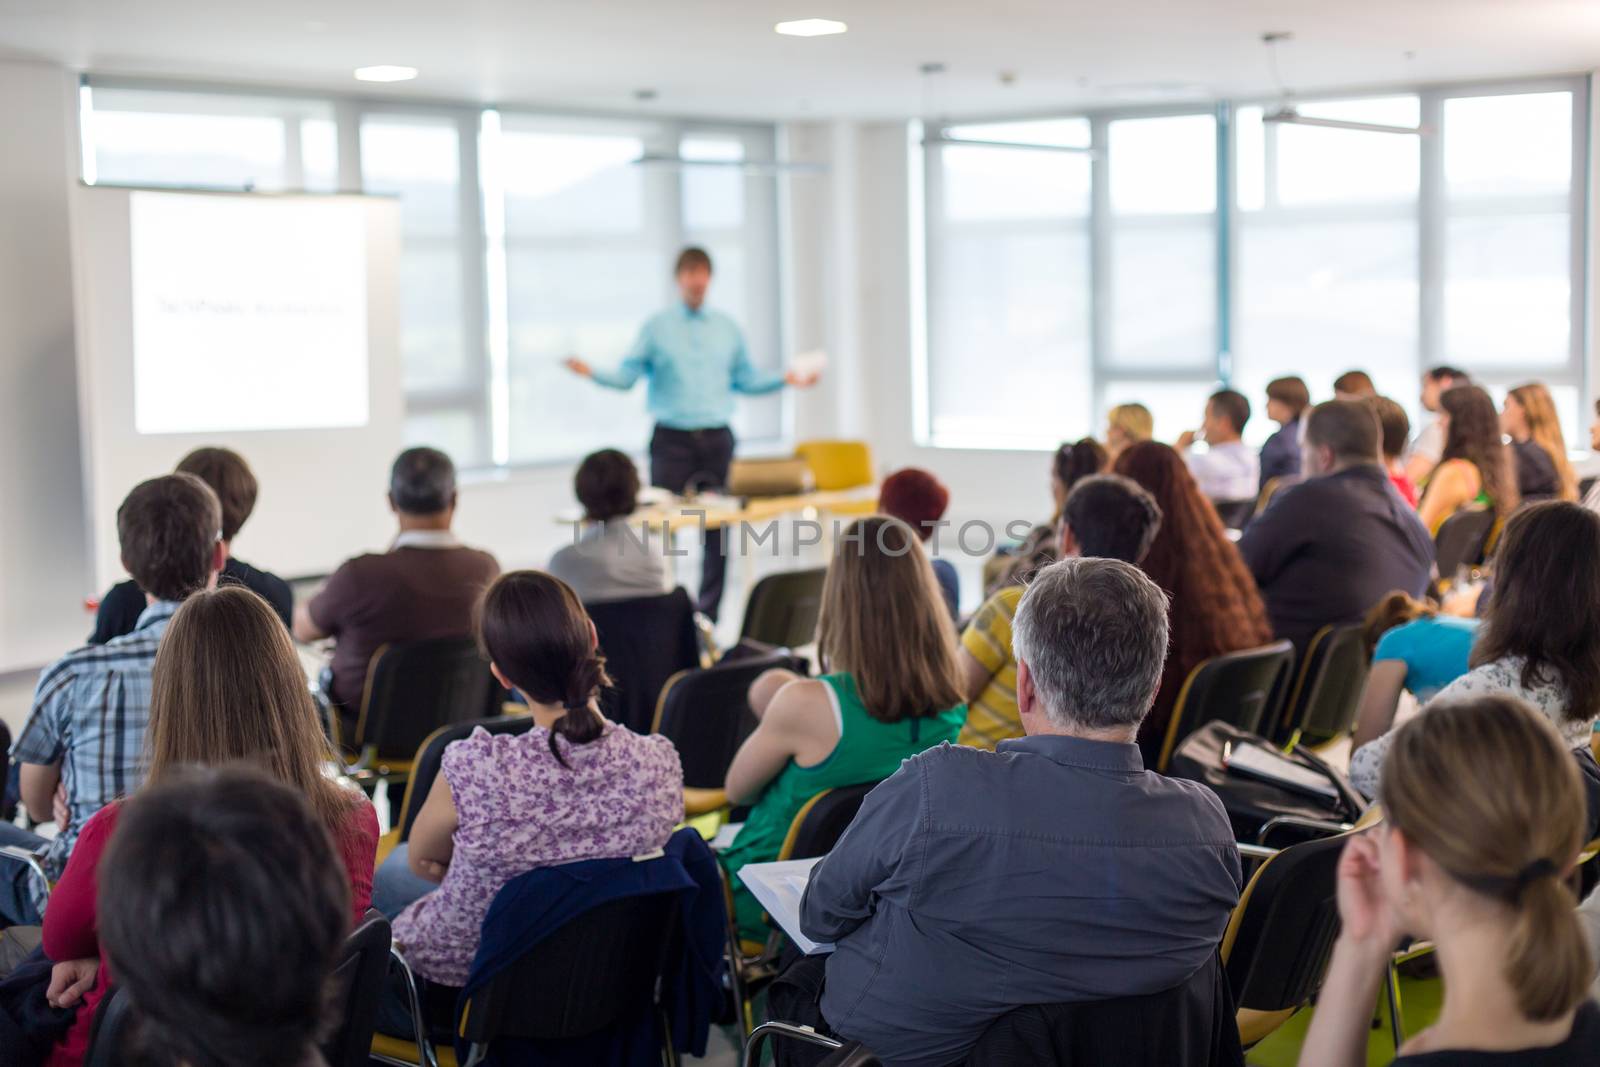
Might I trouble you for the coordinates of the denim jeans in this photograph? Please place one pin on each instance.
(394, 887)
(17, 878)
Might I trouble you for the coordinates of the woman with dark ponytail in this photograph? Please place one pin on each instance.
(1484, 816)
(575, 787)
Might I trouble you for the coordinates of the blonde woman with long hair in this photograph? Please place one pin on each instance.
(891, 688)
(1529, 418)
(1484, 815)
(227, 688)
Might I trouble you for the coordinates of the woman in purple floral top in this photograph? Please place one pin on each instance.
(575, 787)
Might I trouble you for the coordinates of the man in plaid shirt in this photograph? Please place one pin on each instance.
(83, 744)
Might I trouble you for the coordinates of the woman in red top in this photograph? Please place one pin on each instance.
(227, 687)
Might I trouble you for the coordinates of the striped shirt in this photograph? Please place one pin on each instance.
(993, 716)
(89, 715)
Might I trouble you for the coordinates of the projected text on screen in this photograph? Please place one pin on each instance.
(248, 313)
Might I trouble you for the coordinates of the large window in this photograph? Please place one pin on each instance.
(526, 238)
(1008, 293)
(1327, 250)
(1338, 249)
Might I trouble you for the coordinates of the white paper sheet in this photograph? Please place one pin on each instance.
(779, 887)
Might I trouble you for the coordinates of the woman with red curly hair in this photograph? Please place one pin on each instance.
(1215, 605)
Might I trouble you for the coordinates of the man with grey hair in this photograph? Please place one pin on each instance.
(1051, 870)
(424, 587)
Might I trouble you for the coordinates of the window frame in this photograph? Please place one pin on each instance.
(482, 388)
(1431, 219)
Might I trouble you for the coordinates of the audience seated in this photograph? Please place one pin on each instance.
(1591, 499)
(1483, 817)
(82, 746)
(1127, 425)
(575, 787)
(1354, 385)
(1229, 469)
(1413, 649)
(223, 650)
(229, 915)
(1287, 400)
(892, 689)
(1475, 467)
(1540, 636)
(1538, 447)
(1215, 607)
(919, 499)
(1394, 427)
(226, 472)
(1038, 550)
(610, 558)
(423, 588)
(1427, 449)
(1328, 549)
(1056, 869)
(1105, 516)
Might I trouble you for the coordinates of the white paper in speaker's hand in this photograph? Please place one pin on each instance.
(809, 363)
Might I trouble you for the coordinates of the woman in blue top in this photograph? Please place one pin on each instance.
(1414, 649)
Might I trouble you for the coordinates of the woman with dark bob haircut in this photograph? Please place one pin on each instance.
(1540, 636)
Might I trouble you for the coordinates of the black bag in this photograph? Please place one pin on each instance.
(1252, 802)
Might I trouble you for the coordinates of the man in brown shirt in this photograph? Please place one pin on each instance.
(423, 588)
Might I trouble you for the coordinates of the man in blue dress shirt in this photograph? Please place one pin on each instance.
(696, 361)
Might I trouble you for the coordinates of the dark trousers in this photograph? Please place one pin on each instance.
(696, 459)
(796, 997)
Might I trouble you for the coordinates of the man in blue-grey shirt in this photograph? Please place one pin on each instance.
(696, 361)
(1054, 869)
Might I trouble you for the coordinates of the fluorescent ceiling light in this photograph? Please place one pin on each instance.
(810, 27)
(1289, 116)
(385, 72)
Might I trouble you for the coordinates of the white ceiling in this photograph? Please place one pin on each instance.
(721, 58)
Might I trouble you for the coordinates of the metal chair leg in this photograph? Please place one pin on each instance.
(1392, 989)
(425, 1056)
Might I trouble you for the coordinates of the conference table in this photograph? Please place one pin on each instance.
(828, 508)
(675, 513)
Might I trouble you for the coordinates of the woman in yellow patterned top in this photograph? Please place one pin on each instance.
(1105, 515)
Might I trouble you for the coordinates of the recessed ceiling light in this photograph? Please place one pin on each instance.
(810, 27)
(385, 72)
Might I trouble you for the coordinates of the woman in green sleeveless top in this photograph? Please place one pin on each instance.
(893, 688)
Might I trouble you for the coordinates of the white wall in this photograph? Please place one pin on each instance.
(43, 554)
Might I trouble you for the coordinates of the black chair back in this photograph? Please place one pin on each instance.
(783, 609)
(1278, 943)
(1327, 695)
(1189, 1025)
(1242, 689)
(645, 641)
(1235, 514)
(359, 981)
(415, 687)
(598, 971)
(1463, 540)
(425, 767)
(706, 714)
(110, 1034)
(824, 819)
